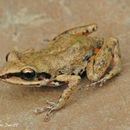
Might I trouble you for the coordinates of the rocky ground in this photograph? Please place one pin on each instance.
(27, 23)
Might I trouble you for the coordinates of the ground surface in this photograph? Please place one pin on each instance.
(27, 23)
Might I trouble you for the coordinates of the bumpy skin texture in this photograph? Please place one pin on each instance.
(63, 61)
(98, 64)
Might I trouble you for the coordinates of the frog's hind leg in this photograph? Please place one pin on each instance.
(108, 55)
(80, 30)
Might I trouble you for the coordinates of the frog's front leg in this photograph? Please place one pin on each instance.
(72, 81)
(108, 55)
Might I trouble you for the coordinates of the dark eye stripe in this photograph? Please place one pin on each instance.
(10, 75)
(42, 75)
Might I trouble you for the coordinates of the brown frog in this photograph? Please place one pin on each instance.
(65, 59)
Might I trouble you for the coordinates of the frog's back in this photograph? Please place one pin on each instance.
(67, 53)
(68, 41)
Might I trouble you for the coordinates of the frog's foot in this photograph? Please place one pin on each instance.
(51, 108)
(40, 110)
(100, 83)
(72, 81)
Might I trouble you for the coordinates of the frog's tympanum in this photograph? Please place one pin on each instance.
(63, 61)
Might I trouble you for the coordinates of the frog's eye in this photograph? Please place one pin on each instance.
(28, 74)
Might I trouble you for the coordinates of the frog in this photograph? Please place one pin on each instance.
(64, 61)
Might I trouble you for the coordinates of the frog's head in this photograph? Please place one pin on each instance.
(18, 72)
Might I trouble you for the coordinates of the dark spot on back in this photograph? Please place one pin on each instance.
(115, 43)
(119, 55)
(72, 73)
(94, 61)
(102, 61)
(106, 46)
(81, 70)
(87, 58)
(83, 74)
(99, 46)
(79, 74)
(60, 72)
(109, 49)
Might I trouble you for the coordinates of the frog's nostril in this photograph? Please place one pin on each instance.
(3, 76)
(7, 56)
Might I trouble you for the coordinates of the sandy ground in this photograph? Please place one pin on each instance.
(27, 23)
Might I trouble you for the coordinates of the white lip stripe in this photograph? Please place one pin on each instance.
(44, 82)
(55, 83)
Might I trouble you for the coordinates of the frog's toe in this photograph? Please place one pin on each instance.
(101, 82)
(40, 110)
(51, 108)
(50, 103)
(48, 114)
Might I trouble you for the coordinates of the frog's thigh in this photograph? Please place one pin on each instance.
(72, 84)
(81, 30)
(109, 53)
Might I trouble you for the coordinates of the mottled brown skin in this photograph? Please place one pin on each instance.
(63, 61)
